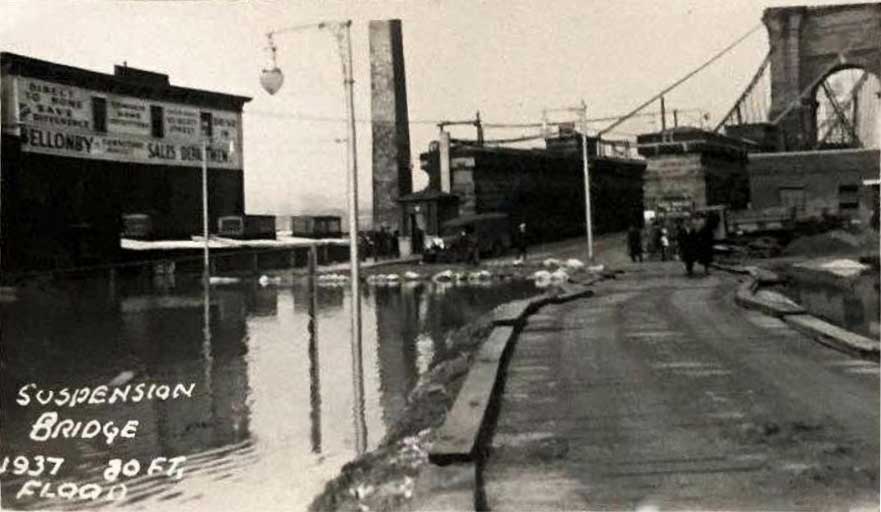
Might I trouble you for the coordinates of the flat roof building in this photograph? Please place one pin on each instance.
(82, 149)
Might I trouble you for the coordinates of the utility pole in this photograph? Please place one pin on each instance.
(479, 129)
(663, 117)
(586, 164)
(544, 123)
(582, 117)
(206, 268)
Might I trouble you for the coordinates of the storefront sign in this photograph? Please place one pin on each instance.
(54, 142)
(58, 120)
(675, 204)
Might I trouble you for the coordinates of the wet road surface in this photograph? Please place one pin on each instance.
(660, 392)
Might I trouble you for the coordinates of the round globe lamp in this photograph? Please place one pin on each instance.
(271, 80)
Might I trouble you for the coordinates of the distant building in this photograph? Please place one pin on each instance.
(82, 149)
(542, 187)
(817, 183)
(689, 168)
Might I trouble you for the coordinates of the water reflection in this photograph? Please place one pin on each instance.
(272, 409)
(314, 371)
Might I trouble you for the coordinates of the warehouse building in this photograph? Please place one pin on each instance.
(543, 187)
(84, 152)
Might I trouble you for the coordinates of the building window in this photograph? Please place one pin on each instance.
(206, 123)
(793, 197)
(848, 197)
(99, 114)
(157, 121)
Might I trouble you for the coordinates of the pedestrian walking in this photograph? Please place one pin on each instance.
(655, 247)
(634, 243)
(473, 246)
(686, 240)
(704, 242)
(394, 241)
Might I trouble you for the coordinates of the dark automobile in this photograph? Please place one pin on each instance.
(490, 232)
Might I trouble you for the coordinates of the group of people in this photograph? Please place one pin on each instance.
(696, 245)
(694, 242)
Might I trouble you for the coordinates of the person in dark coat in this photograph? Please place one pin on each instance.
(686, 238)
(394, 240)
(521, 241)
(634, 243)
(655, 248)
(704, 242)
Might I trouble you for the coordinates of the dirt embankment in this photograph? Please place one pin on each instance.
(384, 479)
(835, 242)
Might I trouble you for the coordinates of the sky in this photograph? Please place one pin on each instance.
(507, 59)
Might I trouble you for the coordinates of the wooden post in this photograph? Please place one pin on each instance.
(312, 263)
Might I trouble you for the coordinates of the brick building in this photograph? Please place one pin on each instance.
(80, 149)
(816, 182)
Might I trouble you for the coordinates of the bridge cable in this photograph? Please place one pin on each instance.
(681, 80)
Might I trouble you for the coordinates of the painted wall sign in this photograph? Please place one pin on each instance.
(128, 116)
(55, 105)
(59, 120)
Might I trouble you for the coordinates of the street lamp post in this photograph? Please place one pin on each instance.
(272, 80)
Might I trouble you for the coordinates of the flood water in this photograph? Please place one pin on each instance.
(851, 305)
(272, 414)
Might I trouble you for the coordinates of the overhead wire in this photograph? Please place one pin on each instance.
(682, 80)
(504, 125)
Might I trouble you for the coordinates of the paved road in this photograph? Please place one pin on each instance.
(660, 392)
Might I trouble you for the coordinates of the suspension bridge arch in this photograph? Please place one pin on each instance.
(846, 109)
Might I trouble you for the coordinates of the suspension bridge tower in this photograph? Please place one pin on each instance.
(810, 46)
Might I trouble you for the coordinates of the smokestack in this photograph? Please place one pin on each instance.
(391, 136)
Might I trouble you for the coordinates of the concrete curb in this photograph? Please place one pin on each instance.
(834, 336)
(458, 439)
(453, 475)
(750, 295)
